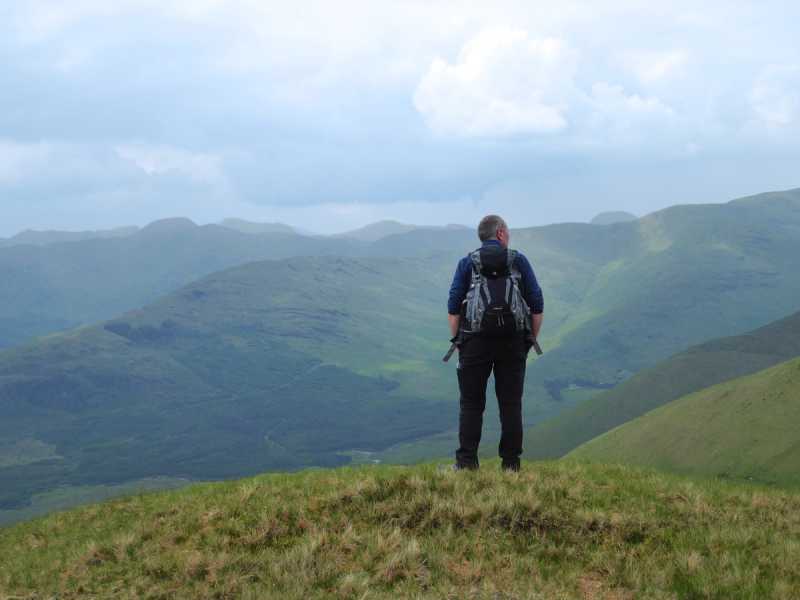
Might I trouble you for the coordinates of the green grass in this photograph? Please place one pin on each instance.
(745, 428)
(64, 497)
(555, 531)
(694, 369)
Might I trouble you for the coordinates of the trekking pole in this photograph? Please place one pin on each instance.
(453, 345)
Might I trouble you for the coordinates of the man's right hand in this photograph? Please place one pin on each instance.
(536, 324)
(453, 321)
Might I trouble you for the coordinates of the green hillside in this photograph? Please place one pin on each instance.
(556, 530)
(745, 428)
(64, 285)
(272, 365)
(312, 361)
(689, 371)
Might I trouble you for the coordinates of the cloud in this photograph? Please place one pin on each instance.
(615, 117)
(155, 159)
(655, 67)
(131, 109)
(17, 160)
(775, 96)
(506, 84)
(502, 83)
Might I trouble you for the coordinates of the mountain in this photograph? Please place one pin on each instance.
(188, 386)
(64, 285)
(270, 365)
(694, 369)
(376, 231)
(43, 238)
(381, 229)
(744, 428)
(611, 217)
(556, 530)
(256, 228)
(602, 284)
(619, 299)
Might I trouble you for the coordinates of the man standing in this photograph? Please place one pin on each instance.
(495, 311)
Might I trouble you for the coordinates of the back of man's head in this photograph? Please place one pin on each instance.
(489, 226)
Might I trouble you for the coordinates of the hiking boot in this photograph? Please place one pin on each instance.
(512, 466)
(455, 467)
(465, 466)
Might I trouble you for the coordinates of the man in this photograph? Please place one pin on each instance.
(503, 350)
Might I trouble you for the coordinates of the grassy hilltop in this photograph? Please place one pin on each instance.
(556, 530)
(746, 427)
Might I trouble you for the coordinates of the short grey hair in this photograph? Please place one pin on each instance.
(489, 225)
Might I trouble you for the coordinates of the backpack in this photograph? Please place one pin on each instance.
(494, 305)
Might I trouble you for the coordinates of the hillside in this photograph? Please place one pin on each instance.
(271, 365)
(375, 231)
(691, 370)
(296, 362)
(64, 285)
(43, 238)
(556, 530)
(256, 228)
(745, 428)
(611, 217)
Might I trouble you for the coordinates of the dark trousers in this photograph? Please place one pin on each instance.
(478, 356)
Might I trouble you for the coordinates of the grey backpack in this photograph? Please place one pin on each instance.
(494, 305)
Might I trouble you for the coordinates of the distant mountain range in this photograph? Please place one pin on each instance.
(43, 238)
(609, 218)
(369, 233)
(251, 227)
(381, 229)
(333, 345)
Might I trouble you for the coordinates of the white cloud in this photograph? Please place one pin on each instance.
(18, 160)
(157, 159)
(615, 118)
(503, 83)
(775, 96)
(611, 99)
(309, 102)
(654, 67)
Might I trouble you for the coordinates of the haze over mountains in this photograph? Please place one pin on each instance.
(611, 217)
(216, 353)
(43, 238)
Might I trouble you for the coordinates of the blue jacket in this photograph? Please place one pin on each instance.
(463, 277)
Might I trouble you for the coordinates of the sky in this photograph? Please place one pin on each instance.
(330, 115)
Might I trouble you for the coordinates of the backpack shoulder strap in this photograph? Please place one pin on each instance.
(475, 256)
(510, 259)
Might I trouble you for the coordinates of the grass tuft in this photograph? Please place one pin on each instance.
(555, 530)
